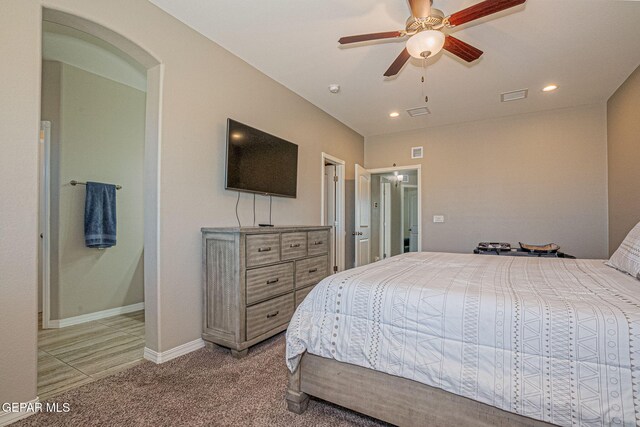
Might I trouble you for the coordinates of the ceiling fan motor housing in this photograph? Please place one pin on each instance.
(433, 21)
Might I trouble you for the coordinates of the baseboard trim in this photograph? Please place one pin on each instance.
(70, 321)
(7, 418)
(181, 350)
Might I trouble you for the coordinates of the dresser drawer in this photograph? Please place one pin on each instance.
(266, 282)
(301, 294)
(294, 245)
(318, 242)
(311, 270)
(263, 249)
(270, 314)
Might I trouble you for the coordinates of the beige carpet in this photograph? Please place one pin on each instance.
(203, 388)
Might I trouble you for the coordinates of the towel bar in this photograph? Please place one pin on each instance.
(74, 182)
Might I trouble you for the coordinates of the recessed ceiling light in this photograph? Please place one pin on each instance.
(394, 114)
(550, 88)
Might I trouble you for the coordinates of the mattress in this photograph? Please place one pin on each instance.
(553, 339)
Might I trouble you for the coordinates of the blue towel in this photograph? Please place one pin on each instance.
(100, 215)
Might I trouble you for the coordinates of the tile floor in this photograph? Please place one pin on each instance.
(75, 355)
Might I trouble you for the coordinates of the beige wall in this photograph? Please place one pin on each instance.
(623, 125)
(203, 85)
(20, 122)
(101, 125)
(534, 178)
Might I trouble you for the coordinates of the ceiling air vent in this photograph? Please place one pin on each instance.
(515, 95)
(419, 111)
(416, 152)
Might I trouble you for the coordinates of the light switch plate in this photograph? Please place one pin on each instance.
(438, 218)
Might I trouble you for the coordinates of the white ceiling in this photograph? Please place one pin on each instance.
(587, 47)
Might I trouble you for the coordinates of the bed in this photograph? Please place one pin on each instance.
(461, 339)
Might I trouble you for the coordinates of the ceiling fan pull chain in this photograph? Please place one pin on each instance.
(424, 75)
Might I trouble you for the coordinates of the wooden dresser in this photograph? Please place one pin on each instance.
(255, 277)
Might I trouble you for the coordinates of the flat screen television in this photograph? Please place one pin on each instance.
(258, 162)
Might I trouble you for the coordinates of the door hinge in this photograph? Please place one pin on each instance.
(335, 268)
(335, 179)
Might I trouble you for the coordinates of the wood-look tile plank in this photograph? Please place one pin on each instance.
(82, 348)
(55, 376)
(103, 358)
(51, 339)
(131, 323)
(137, 317)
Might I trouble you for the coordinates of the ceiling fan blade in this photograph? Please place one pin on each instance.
(462, 49)
(480, 10)
(420, 8)
(398, 63)
(367, 37)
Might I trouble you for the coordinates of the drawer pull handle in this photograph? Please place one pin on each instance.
(297, 245)
(317, 242)
(270, 315)
(264, 249)
(271, 282)
(313, 270)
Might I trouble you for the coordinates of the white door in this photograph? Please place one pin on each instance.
(362, 231)
(412, 205)
(330, 211)
(386, 219)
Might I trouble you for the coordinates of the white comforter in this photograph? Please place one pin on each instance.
(552, 339)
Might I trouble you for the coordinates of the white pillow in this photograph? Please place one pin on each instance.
(627, 257)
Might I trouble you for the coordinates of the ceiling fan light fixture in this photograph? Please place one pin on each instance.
(425, 44)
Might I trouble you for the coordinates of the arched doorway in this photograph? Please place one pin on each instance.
(152, 134)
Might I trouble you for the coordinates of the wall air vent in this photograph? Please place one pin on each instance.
(419, 111)
(417, 152)
(514, 95)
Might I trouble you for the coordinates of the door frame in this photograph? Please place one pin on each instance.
(405, 187)
(340, 206)
(400, 169)
(45, 222)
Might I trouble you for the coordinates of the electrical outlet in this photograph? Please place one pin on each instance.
(438, 218)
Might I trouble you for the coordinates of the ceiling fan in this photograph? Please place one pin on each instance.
(424, 28)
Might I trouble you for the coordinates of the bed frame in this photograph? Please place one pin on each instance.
(389, 398)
